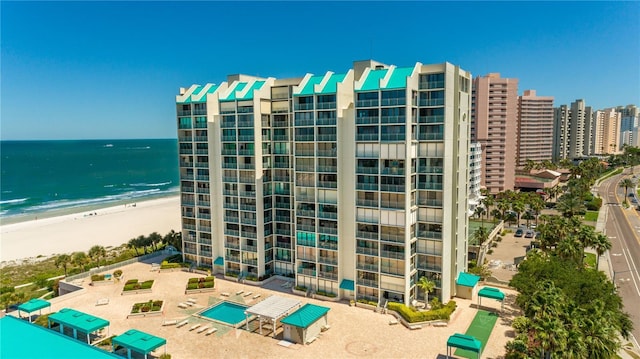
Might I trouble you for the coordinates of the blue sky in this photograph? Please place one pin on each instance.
(76, 70)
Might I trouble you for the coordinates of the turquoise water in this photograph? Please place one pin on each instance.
(42, 176)
(226, 312)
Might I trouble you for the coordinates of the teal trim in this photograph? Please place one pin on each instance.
(492, 293)
(21, 339)
(239, 86)
(465, 342)
(305, 316)
(197, 92)
(467, 280)
(139, 341)
(332, 84)
(219, 261)
(399, 78)
(256, 86)
(84, 322)
(372, 82)
(308, 88)
(33, 305)
(347, 284)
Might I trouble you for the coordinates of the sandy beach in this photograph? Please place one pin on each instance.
(110, 226)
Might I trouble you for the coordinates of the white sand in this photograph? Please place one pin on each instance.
(111, 226)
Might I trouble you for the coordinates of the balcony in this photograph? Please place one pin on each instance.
(306, 213)
(328, 184)
(251, 221)
(430, 234)
(304, 122)
(395, 238)
(283, 245)
(393, 119)
(230, 205)
(431, 136)
(432, 102)
(367, 267)
(250, 261)
(367, 250)
(202, 164)
(306, 228)
(205, 253)
(228, 138)
(188, 189)
(391, 254)
(367, 186)
(367, 202)
(328, 275)
(328, 215)
(393, 137)
(367, 120)
(392, 187)
(231, 258)
(394, 101)
(327, 153)
(249, 248)
(250, 194)
(326, 121)
(281, 137)
(328, 260)
(367, 282)
(430, 169)
(202, 190)
(309, 257)
(246, 179)
(307, 271)
(367, 235)
(326, 105)
(247, 166)
(184, 112)
(246, 152)
(186, 164)
(204, 203)
(431, 186)
(201, 139)
(247, 138)
(367, 103)
(231, 232)
(431, 119)
(329, 169)
(328, 245)
(230, 152)
(186, 151)
(431, 84)
(232, 219)
(304, 138)
(327, 230)
(230, 192)
(367, 137)
(306, 242)
(248, 207)
(326, 137)
(204, 215)
(303, 106)
(303, 153)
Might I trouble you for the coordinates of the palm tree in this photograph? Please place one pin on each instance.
(98, 252)
(155, 238)
(478, 212)
(79, 259)
(63, 261)
(480, 235)
(518, 207)
(427, 286)
(626, 184)
(601, 244)
(570, 205)
(569, 248)
(133, 244)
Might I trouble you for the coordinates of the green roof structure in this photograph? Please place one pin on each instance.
(32, 305)
(465, 342)
(491, 293)
(21, 339)
(305, 316)
(219, 261)
(239, 86)
(467, 280)
(308, 88)
(78, 321)
(347, 284)
(372, 82)
(197, 93)
(138, 341)
(399, 78)
(332, 85)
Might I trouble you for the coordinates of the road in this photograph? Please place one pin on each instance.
(622, 227)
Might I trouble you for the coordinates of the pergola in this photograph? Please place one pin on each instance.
(138, 341)
(492, 293)
(465, 342)
(33, 305)
(272, 309)
(78, 321)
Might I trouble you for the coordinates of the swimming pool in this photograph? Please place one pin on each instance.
(226, 313)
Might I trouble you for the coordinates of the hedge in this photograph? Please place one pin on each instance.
(97, 277)
(413, 316)
(326, 294)
(131, 281)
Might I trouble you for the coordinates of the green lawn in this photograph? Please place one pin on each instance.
(590, 260)
(480, 328)
(591, 216)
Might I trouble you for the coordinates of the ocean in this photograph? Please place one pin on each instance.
(43, 177)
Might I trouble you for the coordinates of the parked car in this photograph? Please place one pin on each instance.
(519, 232)
(529, 234)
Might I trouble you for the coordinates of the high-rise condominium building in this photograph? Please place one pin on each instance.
(495, 127)
(353, 183)
(535, 128)
(475, 173)
(573, 131)
(628, 122)
(607, 132)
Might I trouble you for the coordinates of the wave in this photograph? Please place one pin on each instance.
(108, 145)
(7, 191)
(13, 201)
(109, 185)
(150, 184)
(139, 148)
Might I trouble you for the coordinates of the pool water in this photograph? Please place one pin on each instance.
(226, 312)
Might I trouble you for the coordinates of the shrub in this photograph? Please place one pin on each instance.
(144, 308)
(146, 285)
(97, 277)
(300, 288)
(165, 356)
(176, 258)
(117, 273)
(435, 303)
(231, 274)
(252, 278)
(326, 294)
(131, 281)
(209, 279)
(594, 204)
(494, 244)
(191, 286)
(128, 287)
(413, 316)
(368, 302)
(193, 280)
(165, 265)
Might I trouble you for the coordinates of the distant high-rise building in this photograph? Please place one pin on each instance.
(475, 173)
(607, 132)
(353, 183)
(573, 131)
(535, 128)
(628, 122)
(495, 127)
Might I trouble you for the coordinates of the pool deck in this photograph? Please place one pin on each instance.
(355, 332)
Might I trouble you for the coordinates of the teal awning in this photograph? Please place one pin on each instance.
(347, 284)
(139, 341)
(305, 316)
(83, 322)
(467, 280)
(219, 261)
(33, 305)
(465, 342)
(492, 293)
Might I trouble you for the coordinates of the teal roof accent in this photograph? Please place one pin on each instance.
(305, 316)
(21, 339)
(196, 93)
(33, 305)
(372, 82)
(347, 284)
(219, 261)
(139, 341)
(399, 78)
(239, 86)
(332, 85)
(83, 322)
(467, 280)
(308, 88)
(493, 293)
(465, 342)
(249, 95)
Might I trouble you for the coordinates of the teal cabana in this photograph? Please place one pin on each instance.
(491, 293)
(138, 341)
(304, 325)
(465, 342)
(466, 285)
(78, 322)
(33, 305)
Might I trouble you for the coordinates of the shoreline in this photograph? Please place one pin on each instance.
(80, 230)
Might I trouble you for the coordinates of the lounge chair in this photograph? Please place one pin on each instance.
(211, 331)
(183, 306)
(224, 294)
(239, 292)
(247, 294)
(257, 296)
(182, 323)
(102, 301)
(194, 327)
(202, 329)
(189, 304)
(192, 300)
(169, 322)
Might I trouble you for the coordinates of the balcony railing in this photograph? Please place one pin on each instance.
(367, 186)
(388, 237)
(392, 255)
(367, 267)
(232, 219)
(431, 136)
(328, 275)
(307, 271)
(367, 103)
(394, 101)
(367, 235)
(431, 119)
(393, 119)
(326, 105)
(303, 106)
(328, 230)
(367, 250)
(328, 260)
(328, 245)
(366, 120)
(367, 137)
(367, 282)
(249, 248)
(432, 102)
